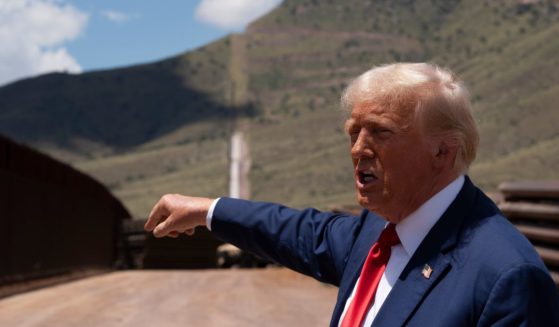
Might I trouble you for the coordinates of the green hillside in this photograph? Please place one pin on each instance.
(123, 108)
(163, 127)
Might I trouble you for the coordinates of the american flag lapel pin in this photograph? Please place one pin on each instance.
(427, 271)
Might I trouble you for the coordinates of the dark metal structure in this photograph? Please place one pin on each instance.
(533, 207)
(185, 252)
(54, 219)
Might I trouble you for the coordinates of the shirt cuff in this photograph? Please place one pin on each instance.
(210, 214)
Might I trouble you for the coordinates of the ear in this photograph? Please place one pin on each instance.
(445, 154)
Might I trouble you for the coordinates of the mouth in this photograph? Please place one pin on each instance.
(365, 178)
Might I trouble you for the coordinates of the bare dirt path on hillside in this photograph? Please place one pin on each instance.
(276, 296)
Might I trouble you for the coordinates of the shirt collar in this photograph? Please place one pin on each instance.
(413, 229)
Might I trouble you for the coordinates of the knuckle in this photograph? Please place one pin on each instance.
(166, 200)
(171, 223)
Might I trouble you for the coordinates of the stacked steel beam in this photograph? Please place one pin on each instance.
(533, 207)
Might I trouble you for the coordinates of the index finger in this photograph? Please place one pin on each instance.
(158, 214)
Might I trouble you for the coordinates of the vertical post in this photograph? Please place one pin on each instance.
(239, 184)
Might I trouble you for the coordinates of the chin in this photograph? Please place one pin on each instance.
(372, 203)
(365, 202)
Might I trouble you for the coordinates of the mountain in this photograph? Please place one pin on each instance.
(163, 127)
(121, 108)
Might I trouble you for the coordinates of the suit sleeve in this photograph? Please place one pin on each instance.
(523, 296)
(308, 241)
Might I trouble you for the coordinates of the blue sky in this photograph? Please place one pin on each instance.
(138, 31)
(40, 36)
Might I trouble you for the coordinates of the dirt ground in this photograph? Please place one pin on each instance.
(252, 297)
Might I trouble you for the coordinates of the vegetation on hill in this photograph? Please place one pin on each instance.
(163, 127)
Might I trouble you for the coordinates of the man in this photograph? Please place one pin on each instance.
(430, 249)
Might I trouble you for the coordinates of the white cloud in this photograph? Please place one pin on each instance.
(32, 34)
(118, 16)
(233, 14)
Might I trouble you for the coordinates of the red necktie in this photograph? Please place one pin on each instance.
(370, 277)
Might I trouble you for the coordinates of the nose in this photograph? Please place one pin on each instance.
(363, 145)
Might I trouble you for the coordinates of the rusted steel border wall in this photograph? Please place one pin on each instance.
(53, 218)
(533, 207)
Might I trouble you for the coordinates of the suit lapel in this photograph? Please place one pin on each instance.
(372, 227)
(435, 251)
(408, 292)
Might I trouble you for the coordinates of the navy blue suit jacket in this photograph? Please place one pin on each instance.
(485, 273)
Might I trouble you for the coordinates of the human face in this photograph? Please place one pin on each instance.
(392, 160)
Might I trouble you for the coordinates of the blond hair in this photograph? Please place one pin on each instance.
(435, 96)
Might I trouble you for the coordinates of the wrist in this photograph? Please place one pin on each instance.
(209, 214)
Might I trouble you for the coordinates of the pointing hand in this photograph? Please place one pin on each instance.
(175, 214)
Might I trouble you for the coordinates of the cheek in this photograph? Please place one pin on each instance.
(404, 166)
(416, 170)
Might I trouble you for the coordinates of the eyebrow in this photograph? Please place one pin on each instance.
(349, 123)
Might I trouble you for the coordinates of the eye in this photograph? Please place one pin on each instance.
(353, 137)
(353, 129)
(382, 132)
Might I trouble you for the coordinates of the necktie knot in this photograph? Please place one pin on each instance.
(389, 237)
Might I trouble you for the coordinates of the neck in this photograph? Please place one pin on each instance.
(439, 182)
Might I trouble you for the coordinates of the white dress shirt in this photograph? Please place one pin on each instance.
(411, 231)
(210, 214)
